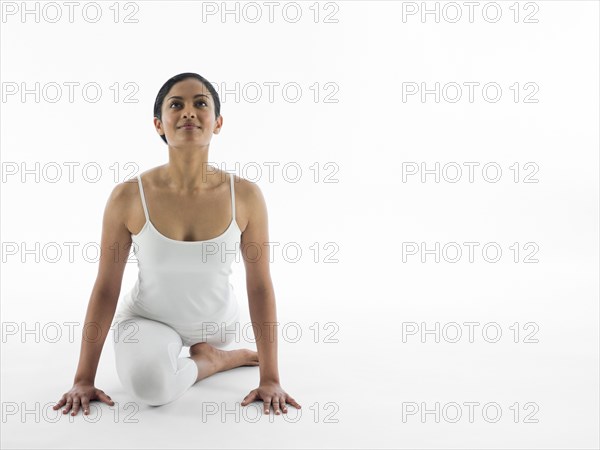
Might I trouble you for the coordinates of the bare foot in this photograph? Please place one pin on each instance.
(211, 360)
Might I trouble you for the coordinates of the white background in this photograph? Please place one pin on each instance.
(354, 392)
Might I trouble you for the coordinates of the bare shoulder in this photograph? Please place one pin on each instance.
(122, 205)
(115, 234)
(246, 188)
(123, 193)
(119, 196)
(250, 201)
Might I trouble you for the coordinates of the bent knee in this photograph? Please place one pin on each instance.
(151, 385)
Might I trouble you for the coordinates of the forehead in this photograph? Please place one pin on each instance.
(188, 88)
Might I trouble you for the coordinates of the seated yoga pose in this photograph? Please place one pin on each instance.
(186, 222)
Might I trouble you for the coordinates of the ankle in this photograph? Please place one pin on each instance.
(200, 347)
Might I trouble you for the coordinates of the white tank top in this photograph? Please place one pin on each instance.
(185, 284)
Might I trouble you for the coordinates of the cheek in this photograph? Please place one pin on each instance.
(168, 121)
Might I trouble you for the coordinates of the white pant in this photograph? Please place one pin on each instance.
(148, 362)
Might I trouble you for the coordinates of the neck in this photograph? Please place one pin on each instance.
(188, 169)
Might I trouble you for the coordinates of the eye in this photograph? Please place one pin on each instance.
(199, 101)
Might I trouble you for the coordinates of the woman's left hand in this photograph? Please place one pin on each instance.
(270, 392)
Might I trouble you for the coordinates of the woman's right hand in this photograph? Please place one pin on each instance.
(80, 395)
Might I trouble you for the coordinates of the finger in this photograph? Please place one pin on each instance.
(291, 401)
(283, 405)
(68, 405)
(276, 405)
(85, 404)
(249, 398)
(76, 404)
(61, 402)
(105, 398)
(267, 402)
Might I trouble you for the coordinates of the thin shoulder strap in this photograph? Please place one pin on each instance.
(231, 183)
(139, 177)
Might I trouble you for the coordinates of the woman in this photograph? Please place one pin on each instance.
(182, 295)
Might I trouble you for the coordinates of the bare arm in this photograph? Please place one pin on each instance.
(261, 300)
(115, 246)
(261, 295)
(114, 251)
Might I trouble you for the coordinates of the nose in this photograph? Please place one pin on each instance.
(188, 114)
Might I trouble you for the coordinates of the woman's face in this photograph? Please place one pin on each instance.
(192, 103)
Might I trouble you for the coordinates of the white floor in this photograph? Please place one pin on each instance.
(358, 393)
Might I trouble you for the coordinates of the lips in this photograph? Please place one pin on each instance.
(189, 125)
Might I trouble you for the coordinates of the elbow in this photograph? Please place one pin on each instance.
(106, 295)
(259, 292)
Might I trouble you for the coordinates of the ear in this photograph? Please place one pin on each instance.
(218, 125)
(158, 126)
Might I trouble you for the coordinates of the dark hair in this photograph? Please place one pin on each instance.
(164, 90)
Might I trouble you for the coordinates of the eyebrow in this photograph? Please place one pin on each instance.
(197, 95)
